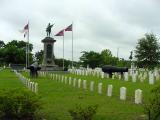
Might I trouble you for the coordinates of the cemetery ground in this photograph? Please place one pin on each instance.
(57, 97)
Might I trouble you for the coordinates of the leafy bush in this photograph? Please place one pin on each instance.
(19, 104)
(86, 113)
(152, 108)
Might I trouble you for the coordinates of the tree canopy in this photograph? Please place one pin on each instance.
(147, 51)
(39, 56)
(95, 59)
(14, 52)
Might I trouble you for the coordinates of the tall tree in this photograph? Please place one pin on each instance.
(93, 59)
(148, 51)
(14, 52)
(39, 56)
(106, 57)
(2, 44)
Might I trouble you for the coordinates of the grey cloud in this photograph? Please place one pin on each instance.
(98, 24)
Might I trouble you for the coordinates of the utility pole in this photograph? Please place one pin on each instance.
(117, 52)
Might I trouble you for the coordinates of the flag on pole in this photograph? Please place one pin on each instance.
(25, 30)
(60, 33)
(69, 28)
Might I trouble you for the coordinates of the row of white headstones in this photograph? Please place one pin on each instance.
(151, 76)
(83, 84)
(33, 86)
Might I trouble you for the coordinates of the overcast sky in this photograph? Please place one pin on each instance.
(97, 24)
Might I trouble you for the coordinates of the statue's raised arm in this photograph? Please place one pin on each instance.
(48, 29)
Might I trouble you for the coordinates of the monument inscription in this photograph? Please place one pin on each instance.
(49, 51)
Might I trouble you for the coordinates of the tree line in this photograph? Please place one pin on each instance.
(14, 52)
(146, 55)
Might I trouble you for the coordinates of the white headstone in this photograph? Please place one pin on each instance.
(119, 76)
(109, 91)
(151, 78)
(144, 76)
(106, 75)
(92, 86)
(86, 72)
(138, 96)
(100, 88)
(62, 79)
(53, 76)
(157, 76)
(84, 84)
(102, 75)
(36, 87)
(56, 77)
(93, 73)
(126, 76)
(70, 80)
(28, 83)
(134, 77)
(79, 83)
(65, 81)
(123, 93)
(74, 82)
(59, 80)
(113, 76)
(32, 88)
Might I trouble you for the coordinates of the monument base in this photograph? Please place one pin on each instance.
(51, 68)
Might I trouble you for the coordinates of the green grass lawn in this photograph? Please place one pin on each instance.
(58, 98)
(9, 80)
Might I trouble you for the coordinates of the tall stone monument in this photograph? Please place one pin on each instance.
(48, 58)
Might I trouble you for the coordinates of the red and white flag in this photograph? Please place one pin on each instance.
(60, 33)
(69, 28)
(25, 30)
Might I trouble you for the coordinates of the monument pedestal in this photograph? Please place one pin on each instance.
(48, 63)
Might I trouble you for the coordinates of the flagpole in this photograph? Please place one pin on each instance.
(28, 43)
(63, 52)
(72, 45)
(26, 55)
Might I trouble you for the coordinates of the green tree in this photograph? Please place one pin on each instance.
(93, 59)
(14, 52)
(2, 44)
(19, 44)
(106, 56)
(152, 107)
(131, 56)
(39, 56)
(148, 51)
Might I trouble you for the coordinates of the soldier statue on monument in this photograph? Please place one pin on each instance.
(48, 63)
(48, 29)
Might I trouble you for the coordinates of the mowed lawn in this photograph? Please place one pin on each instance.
(9, 80)
(57, 98)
